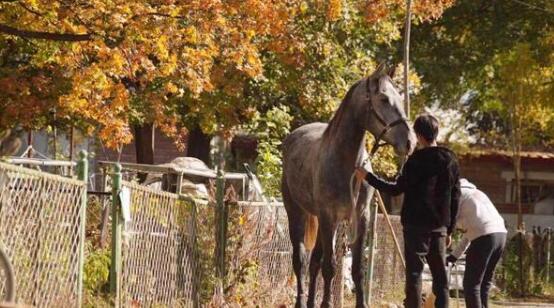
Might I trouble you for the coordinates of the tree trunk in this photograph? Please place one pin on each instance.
(517, 173)
(54, 145)
(198, 145)
(515, 120)
(516, 154)
(144, 146)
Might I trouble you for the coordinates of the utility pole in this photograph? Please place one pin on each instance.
(407, 27)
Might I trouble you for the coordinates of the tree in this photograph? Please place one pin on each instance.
(324, 51)
(453, 54)
(111, 65)
(123, 58)
(524, 92)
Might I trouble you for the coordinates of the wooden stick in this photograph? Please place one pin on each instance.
(384, 210)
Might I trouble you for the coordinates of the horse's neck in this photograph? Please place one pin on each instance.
(347, 140)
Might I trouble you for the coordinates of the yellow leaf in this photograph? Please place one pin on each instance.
(171, 87)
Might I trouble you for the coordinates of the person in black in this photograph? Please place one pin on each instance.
(430, 183)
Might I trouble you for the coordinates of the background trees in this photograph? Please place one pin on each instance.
(460, 56)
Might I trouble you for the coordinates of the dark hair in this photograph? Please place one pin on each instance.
(427, 126)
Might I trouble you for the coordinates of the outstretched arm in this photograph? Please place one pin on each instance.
(393, 188)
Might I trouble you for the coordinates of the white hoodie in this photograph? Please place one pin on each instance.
(476, 215)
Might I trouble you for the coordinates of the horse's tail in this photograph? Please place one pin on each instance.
(310, 232)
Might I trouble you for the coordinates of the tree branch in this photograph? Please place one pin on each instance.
(66, 37)
(28, 9)
(156, 14)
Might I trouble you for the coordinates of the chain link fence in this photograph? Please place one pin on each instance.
(41, 219)
(261, 235)
(388, 271)
(257, 254)
(167, 247)
(158, 251)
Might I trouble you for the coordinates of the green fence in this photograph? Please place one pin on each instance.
(42, 219)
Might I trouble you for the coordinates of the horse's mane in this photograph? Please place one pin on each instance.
(336, 119)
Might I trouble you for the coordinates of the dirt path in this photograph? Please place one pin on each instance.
(522, 305)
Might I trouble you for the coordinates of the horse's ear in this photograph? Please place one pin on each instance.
(391, 72)
(381, 69)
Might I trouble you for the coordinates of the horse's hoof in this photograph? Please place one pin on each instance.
(361, 305)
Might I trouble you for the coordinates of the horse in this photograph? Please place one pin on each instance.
(318, 162)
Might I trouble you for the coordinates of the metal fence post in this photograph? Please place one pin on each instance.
(548, 247)
(221, 224)
(82, 169)
(372, 239)
(117, 227)
(196, 284)
(220, 215)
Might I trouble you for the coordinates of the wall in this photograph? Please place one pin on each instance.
(165, 151)
(485, 171)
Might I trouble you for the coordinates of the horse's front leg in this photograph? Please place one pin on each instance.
(328, 230)
(358, 268)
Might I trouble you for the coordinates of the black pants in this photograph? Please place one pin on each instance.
(481, 259)
(420, 247)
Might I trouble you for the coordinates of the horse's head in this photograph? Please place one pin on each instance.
(385, 117)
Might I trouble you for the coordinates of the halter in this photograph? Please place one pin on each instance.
(386, 126)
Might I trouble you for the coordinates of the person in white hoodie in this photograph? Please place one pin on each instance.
(485, 235)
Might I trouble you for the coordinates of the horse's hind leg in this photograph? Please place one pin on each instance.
(315, 266)
(328, 227)
(297, 219)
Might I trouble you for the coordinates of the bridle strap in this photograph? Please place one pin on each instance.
(377, 143)
(386, 126)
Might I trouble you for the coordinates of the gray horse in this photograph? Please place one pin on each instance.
(318, 162)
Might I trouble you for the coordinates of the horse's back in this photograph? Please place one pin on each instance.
(303, 142)
(307, 135)
(300, 151)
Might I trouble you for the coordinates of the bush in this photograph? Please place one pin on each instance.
(97, 262)
(270, 129)
(96, 270)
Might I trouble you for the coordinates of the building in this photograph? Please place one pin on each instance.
(492, 171)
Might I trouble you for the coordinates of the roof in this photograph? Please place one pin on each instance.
(508, 154)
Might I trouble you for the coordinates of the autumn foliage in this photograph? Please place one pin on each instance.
(104, 65)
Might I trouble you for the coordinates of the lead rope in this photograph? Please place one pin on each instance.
(354, 218)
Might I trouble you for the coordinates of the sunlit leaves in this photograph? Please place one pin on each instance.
(391, 9)
(176, 62)
(524, 94)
